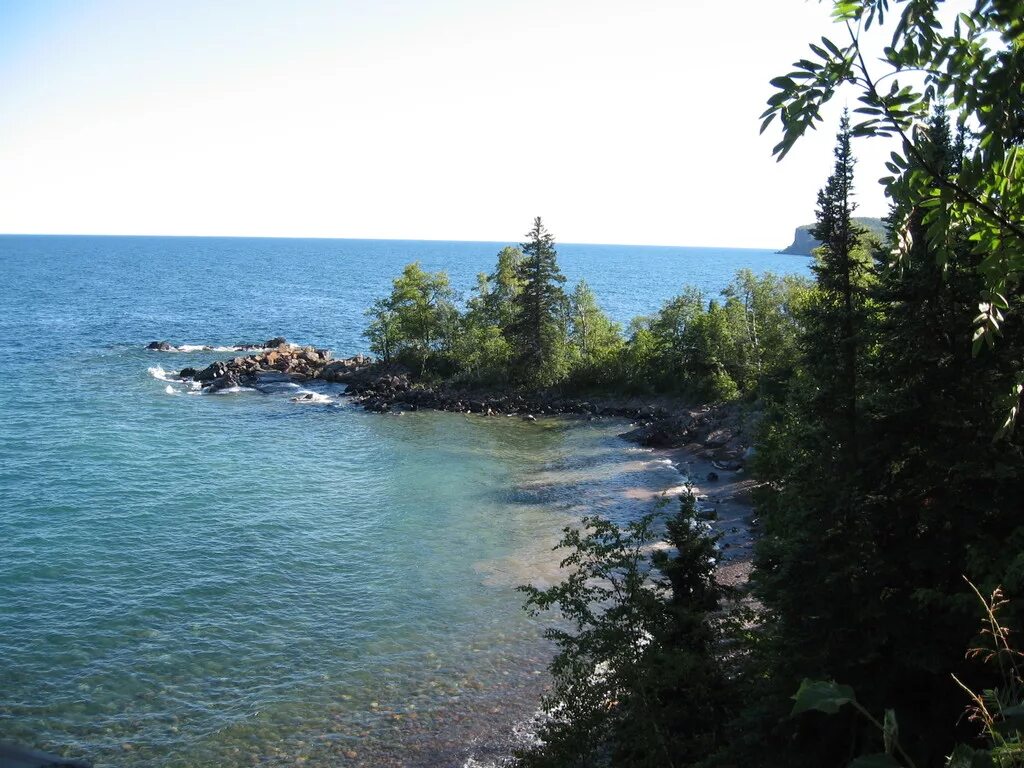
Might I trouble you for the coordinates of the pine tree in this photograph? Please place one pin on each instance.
(538, 328)
(811, 562)
(837, 316)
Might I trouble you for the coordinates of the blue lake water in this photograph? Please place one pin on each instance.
(238, 579)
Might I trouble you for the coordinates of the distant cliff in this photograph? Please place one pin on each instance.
(804, 242)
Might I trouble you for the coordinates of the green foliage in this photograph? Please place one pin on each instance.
(416, 321)
(975, 68)
(505, 287)
(538, 329)
(823, 696)
(595, 341)
(718, 351)
(636, 679)
(862, 551)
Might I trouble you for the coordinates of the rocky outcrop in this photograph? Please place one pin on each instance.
(348, 369)
(166, 346)
(295, 362)
(381, 391)
(804, 242)
(721, 434)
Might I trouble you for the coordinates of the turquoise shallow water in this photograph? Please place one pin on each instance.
(238, 579)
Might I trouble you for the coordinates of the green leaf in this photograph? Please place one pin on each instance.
(879, 760)
(783, 83)
(823, 696)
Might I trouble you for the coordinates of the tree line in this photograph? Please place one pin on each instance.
(889, 574)
(520, 327)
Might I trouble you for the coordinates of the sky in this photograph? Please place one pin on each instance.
(633, 121)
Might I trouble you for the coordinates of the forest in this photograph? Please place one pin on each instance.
(881, 624)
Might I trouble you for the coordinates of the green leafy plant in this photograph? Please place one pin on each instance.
(637, 680)
(973, 64)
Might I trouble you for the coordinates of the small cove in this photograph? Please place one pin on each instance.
(239, 579)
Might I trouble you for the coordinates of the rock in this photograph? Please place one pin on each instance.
(664, 433)
(226, 381)
(712, 477)
(528, 417)
(718, 437)
(160, 346)
(187, 373)
(277, 341)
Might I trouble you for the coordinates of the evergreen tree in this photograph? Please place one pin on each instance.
(812, 562)
(837, 314)
(538, 327)
(638, 678)
(861, 566)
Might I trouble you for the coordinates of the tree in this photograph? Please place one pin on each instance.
(480, 351)
(538, 326)
(637, 677)
(383, 331)
(417, 319)
(861, 561)
(505, 285)
(596, 340)
(975, 66)
(762, 313)
(838, 308)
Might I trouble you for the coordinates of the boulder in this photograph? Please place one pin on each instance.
(277, 341)
(160, 346)
(718, 437)
(187, 373)
(226, 381)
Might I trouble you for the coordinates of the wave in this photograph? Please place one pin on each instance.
(228, 390)
(209, 348)
(158, 373)
(314, 398)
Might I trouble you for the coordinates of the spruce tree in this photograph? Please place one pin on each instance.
(811, 562)
(837, 315)
(537, 330)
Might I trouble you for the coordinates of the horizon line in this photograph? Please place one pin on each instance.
(375, 239)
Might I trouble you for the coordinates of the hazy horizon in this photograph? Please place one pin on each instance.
(486, 241)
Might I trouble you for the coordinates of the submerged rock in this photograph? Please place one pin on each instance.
(160, 346)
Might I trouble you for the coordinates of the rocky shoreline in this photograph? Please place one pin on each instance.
(719, 434)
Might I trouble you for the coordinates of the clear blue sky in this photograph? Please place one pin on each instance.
(626, 122)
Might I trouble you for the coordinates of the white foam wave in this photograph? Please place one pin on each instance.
(228, 391)
(211, 348)
(158, 373)
(170, 390)
(308, 397)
